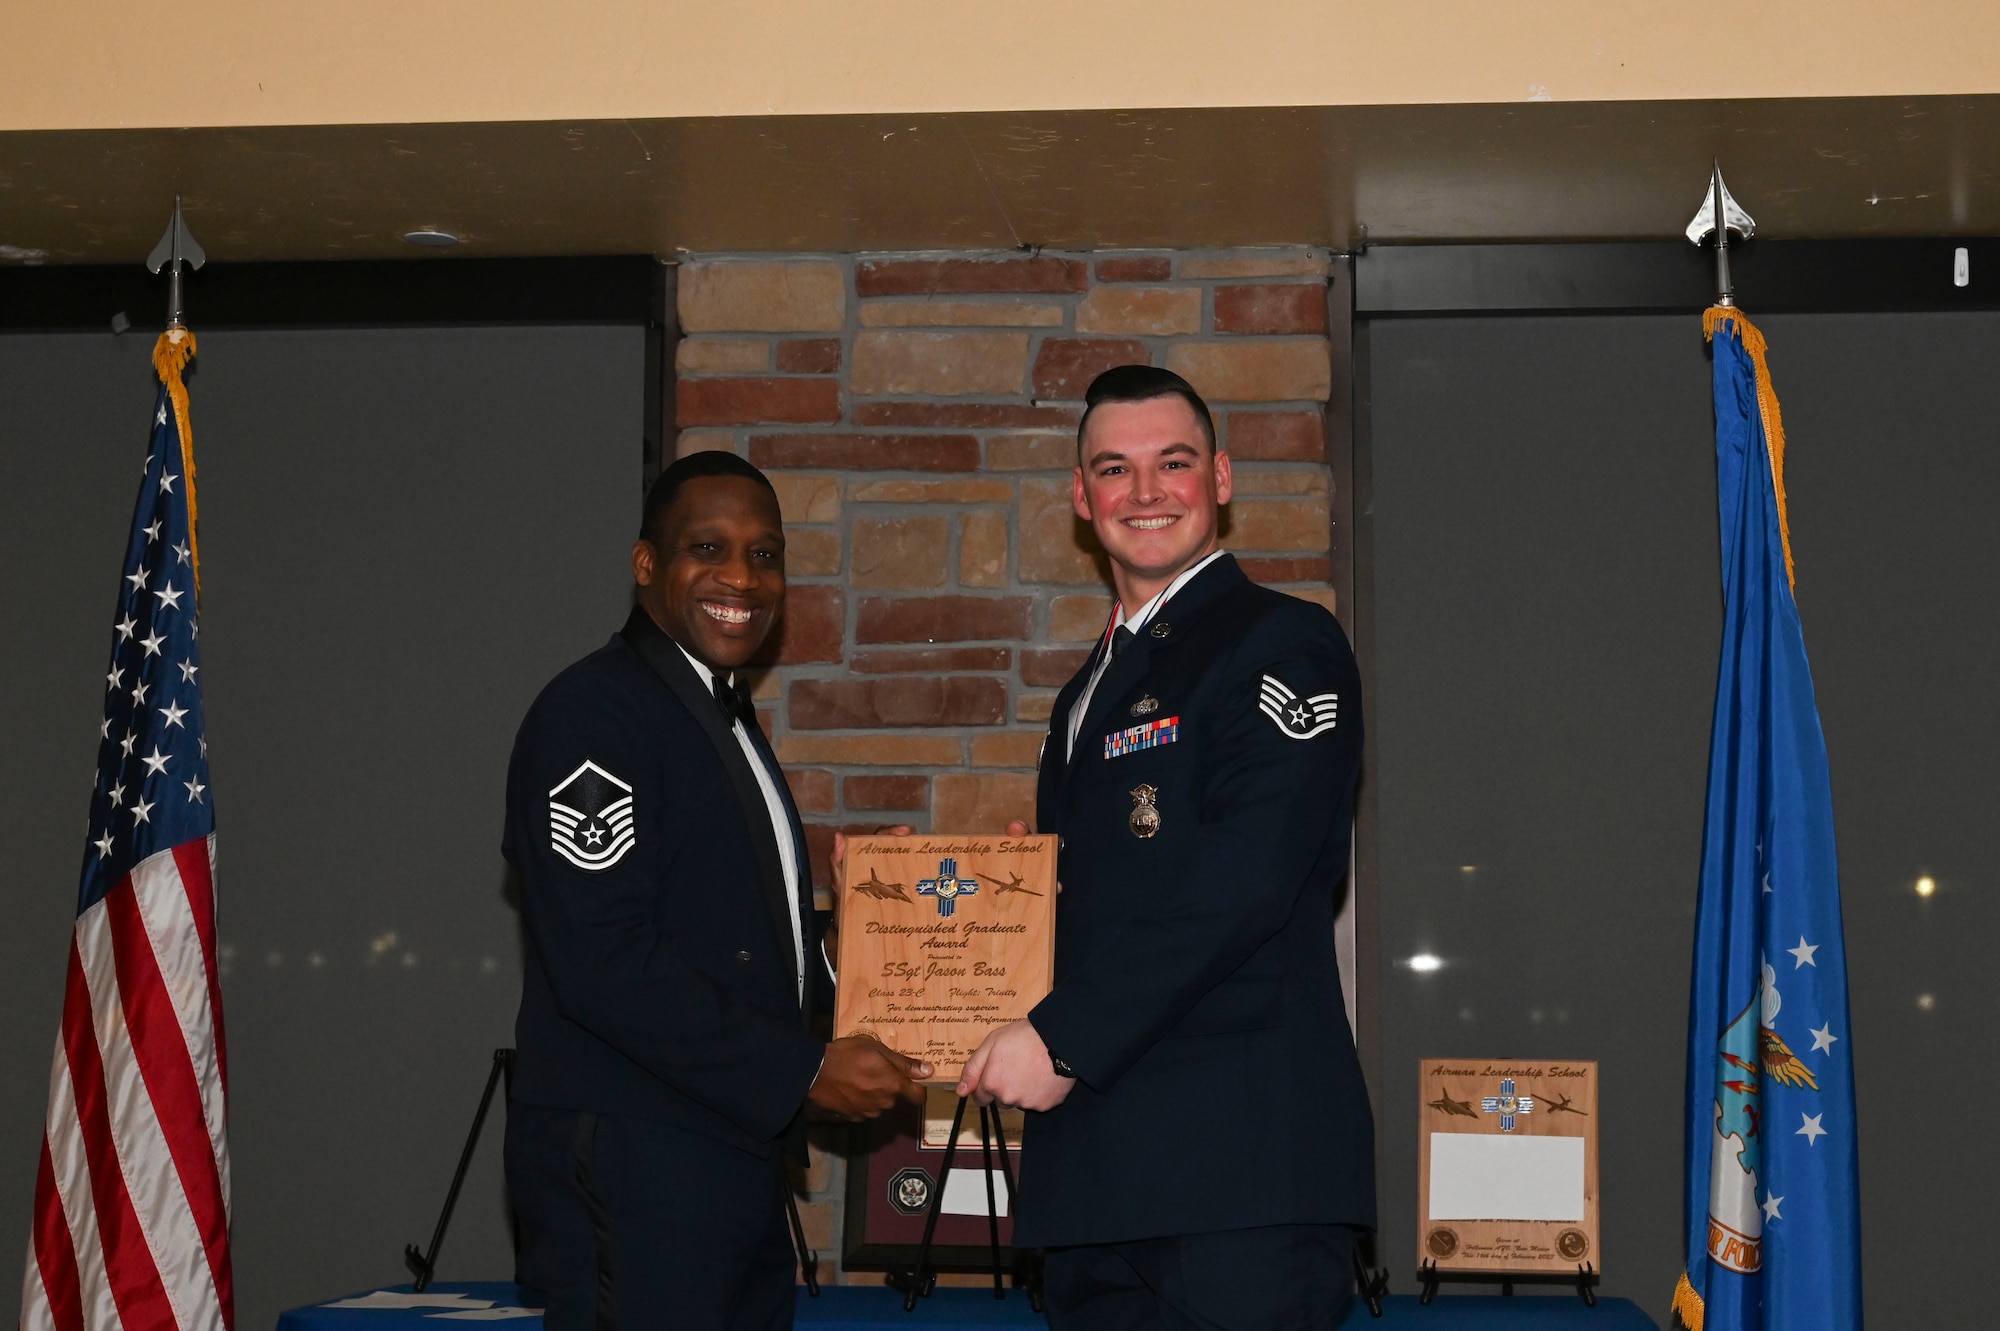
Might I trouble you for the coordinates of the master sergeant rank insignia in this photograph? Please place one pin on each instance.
(590, 818)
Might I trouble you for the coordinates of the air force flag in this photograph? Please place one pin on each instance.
(1773, 1222)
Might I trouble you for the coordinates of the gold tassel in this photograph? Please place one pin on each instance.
(171, 355)
(1767, 407)
(1688, 1307)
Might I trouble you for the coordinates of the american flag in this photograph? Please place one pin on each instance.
(131, 1226)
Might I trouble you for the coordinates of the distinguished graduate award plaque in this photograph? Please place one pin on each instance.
(1507, 1167)
(942, 938)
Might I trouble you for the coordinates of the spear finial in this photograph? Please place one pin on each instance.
(176, 248)
(1719, 215)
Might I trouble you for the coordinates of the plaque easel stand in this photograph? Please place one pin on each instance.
(424, 1265)
(1370, 1281)
(1585, 1280)
(808, 1259)
(918, 1283)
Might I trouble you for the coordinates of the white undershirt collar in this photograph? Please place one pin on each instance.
(781, 820)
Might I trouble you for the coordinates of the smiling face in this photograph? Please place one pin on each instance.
(1151, 486)
(714, 579)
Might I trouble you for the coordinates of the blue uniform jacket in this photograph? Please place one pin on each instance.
(658, 980)
(1197, 994)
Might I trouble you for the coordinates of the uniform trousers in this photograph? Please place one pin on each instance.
(1273, 1278)
(631, 1225)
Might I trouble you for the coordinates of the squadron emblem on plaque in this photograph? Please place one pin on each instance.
(947, 887)
(1507, 1104)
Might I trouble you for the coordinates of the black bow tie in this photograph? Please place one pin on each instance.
(734, 702)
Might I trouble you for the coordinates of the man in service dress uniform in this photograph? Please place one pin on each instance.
(672, 963)
(1203, 1152)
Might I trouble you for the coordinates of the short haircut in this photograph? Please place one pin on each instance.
(708, 462)
(1142, 383)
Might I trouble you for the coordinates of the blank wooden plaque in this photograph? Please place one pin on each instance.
(1465, 1099)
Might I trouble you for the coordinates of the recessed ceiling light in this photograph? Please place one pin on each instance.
(430, 237)
(1424, 963)
(1926, 885)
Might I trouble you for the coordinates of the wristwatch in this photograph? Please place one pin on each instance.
(1062, 1069)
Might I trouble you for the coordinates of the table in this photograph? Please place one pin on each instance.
(874, 1308)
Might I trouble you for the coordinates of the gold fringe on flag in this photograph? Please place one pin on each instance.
(1774, 427)
(1688, 1307)
(170, 356)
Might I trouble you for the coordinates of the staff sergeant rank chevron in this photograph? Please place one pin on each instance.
(1298, 718)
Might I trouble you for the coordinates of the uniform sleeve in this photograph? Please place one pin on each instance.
(595, 930)
(1280, 783)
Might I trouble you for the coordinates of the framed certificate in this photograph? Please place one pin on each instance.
(897, 1161)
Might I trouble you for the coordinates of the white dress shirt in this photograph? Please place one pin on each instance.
(789, 852)
(1133, 622)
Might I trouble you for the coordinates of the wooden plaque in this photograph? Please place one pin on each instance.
(942, 938)
(1507, 1166)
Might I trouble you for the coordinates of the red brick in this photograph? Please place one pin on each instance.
(1276, 436)
(809, 355)
(812, 788)
(931, 660)
(1051, 668)
(748, 401)
(849, 451)
(810, 629)
(1152, 268)
(1286, 308)
(905, 700)
(1066, 365)
(1304, 568)
(943, 618)
(932, 277)
(966, 415)
(886, 792)
(819, 852)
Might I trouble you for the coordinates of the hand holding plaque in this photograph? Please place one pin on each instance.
(943, 938)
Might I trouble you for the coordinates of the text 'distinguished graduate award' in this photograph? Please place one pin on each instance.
(943, 938)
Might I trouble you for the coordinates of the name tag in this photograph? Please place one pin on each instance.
(1151, 735)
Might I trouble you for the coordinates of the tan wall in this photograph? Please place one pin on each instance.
(106, 63)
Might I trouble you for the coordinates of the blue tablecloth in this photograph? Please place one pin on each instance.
(873, 1308)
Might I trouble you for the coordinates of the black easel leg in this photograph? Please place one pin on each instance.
(1427, 1277)
(1586, 1276)
(423, 1266)
(1027, 1264)
(992, 1203)
(923, 1280)
(1372, 1284)
(808, 1259)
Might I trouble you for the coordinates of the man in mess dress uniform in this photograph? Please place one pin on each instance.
(1200, 1151)
(672, 967)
